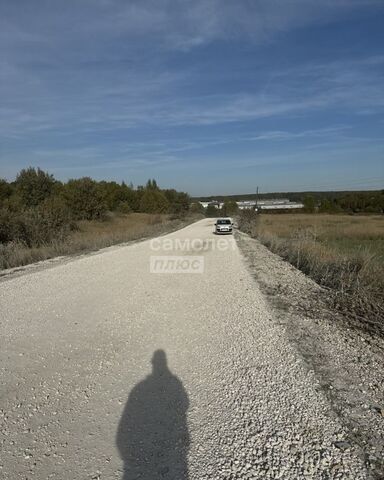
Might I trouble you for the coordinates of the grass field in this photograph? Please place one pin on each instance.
(92, 235)
(342, 252)
(340, 234)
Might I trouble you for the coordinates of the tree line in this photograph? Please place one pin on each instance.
(351, 202)
(37, 208)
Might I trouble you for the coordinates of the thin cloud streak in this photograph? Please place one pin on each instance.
(163, 154)
(364, 94)
(174, 84)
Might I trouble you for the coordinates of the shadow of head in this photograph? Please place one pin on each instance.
(152, 436)
(159, 363)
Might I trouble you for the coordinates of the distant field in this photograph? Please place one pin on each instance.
(342, 234)
(92, 235)
(342, 252)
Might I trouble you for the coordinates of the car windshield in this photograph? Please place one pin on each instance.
(223, 222)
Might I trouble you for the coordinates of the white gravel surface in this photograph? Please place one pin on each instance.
(227, 396)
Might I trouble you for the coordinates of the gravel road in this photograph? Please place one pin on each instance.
(109, 371)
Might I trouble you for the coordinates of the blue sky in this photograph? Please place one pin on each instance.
(208, 96)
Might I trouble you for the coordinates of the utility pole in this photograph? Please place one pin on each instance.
(257, 198)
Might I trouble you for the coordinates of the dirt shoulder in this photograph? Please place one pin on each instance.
(348, 362)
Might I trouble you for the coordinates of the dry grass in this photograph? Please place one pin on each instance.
(92, 235)
(344, 253)
(341, 231)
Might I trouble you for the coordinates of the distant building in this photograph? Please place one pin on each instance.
(270, 204)
(212, 203)
(282, 206)
(247, 205)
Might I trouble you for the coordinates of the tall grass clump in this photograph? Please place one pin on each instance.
(341, 252)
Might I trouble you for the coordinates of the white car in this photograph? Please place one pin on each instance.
(223, 225)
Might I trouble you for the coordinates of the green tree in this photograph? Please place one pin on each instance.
(329, 206)
(117, 196)
(153, 201)
(211, 211)
(110, 192)
(34, 226)
(178, 201)
(309, 204)
(34, 185)
(196, 207)
(84, 198)
(230, 208)
(5, 190)
(151, 185)
(127, 199)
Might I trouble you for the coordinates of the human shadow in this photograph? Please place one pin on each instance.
(152, 436)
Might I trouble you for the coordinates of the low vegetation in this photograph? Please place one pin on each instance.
(41, 217)
(90, 235)
(342, 252)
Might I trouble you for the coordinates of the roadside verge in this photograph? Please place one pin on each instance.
(152, 231)
(349, 362)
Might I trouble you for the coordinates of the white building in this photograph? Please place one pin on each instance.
(273, 204)
(270, 204)
(213, 203)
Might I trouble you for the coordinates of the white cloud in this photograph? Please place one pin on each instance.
(354, 87)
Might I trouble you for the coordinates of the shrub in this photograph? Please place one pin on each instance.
(309, 204)
(248, 221)
(196, 207)
(178, 202)
(35, 226)
(6, 190)
(115, 195)
(84, 199)
(6, 226)
(154, 201)
(33, 186)
(124, 207)
(230, 208)
(211, 211)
